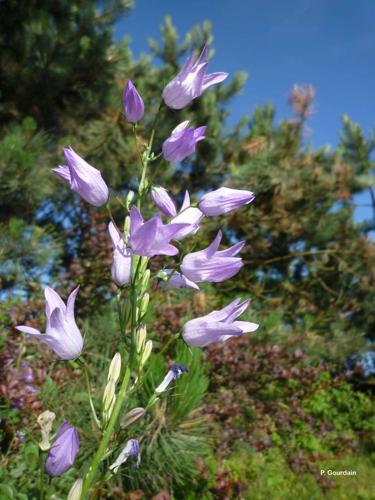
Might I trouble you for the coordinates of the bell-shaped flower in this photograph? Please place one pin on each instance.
(174, 373)
(121, 268)
(134, 108)
(218, 326)
(177, 280)
(152, 237)
(82, 178)
(62, 334)
(212, 265)
(163, 201)
(191, 81)
(63, 452)
(224, 200)
(189, 216)
(182, 142)
(131, 450)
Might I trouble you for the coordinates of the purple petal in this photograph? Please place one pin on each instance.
(63, 172)
(28, 329)
(200, 333)
(70, 304)
(212, 79)
(53, 301)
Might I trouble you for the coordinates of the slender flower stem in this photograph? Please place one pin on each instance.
(41, 474)
(94, 416)
(107, 435)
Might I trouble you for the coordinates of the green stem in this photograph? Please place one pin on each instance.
(107, 435)
(41, 475)
(94, 416)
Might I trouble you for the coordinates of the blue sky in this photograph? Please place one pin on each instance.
(328, 43)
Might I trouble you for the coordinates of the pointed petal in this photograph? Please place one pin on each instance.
(181, 127)
(212, 248)
(28, 329)
(232, 251)
(136, 220)
(70, 304)
(53, 301)
(63, 172)
(186, 202)
(115, 237)
(212, 79)
(246, 326)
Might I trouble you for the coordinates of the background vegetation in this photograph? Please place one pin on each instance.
(264, 413)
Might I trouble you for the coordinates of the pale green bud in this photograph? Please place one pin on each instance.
(109, 393)
(115, 368)
(144, 304)
(146, 352)
(145, 280)
(75, 490)
(129, 200)
(127, 226)
(143, 264)
(140, 338)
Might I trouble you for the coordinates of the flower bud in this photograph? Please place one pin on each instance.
(109, 399)
(127, 227)
(132, 416)
(115, 368)
(144, 304)
(140, 338)
(129, 200)
(145, 280)
(75, 490)
(133, 104)
(146, 352)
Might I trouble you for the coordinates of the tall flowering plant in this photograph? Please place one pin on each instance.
(134, 243)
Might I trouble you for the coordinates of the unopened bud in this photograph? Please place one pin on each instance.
(143, 265)
(45, 421)
(145, 280)
(144, 304)
(115, 368)
(146, 352)
(127, 226)
(75, 490)
(141, 338)
(132, 416)
(129, 200)
(109, 394)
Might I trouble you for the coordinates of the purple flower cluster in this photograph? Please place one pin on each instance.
(159, 235)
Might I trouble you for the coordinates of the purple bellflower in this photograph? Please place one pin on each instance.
(163, 201)
(182, 142)
(224, 200)
(82, 178)
(131, 449)
(62, 334)
(191, 81)
(63, 452)
(189, 216)
(133, 104)
(218, 326)
(121, 268)
(177, 280)
(173, 374)
(212, 265)
(152, 237)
